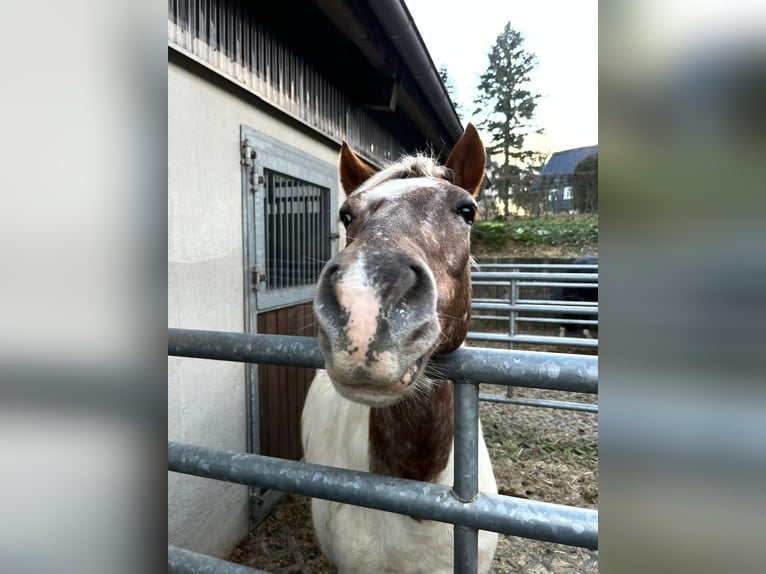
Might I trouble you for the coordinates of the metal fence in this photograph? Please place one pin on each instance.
(461, 505)
(526, 298)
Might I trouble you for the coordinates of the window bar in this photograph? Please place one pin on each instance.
(283, 253)
(316, 240)
(319, 231)
(300, 232)
(266, 205)
(291, 247)
(272, 239)
(275, 233)
(303, 236)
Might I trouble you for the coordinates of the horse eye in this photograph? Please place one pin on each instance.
(345, 218)
(467, 212)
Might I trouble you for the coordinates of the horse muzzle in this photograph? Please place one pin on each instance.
(377, 323)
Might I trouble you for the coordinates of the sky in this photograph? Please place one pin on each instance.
(562, 33)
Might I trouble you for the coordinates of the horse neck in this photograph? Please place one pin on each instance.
(413, 438)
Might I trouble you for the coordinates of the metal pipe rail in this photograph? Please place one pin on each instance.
(462, 505)
(554, 284)
(498, 513)
(547, 302)
(541, 308)
(554, 320)
(565, 405)
(532, 369)
(503, 277)
(576, 266)
(182, 561)
(532, 340)
(535, 284)
(578, 304)
(535, 276)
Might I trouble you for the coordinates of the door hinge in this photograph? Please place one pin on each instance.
(248, 154)
(254, 175)
(257, 277)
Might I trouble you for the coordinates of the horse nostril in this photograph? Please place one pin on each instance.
(421, 277)
(331, 271)
(415, 291)
(326, 302)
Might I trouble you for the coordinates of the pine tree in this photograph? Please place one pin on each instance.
(585, 185)
(450, 87)
(507, 108)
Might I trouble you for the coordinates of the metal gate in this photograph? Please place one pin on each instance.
(529, 293)
(515, 308)
(461, 505)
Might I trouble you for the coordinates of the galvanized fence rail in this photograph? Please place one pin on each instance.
(516, 276)
(462, 505)
(514, 310)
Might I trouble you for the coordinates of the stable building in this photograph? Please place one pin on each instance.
(260, 97)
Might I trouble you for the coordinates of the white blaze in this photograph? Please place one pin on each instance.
(358, 297)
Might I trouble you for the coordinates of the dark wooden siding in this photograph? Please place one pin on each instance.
(283, 389)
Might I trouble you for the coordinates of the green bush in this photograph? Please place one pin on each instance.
(573, 232)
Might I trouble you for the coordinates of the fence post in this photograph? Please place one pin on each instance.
(514, 297)
(466, 472)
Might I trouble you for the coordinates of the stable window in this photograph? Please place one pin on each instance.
(290, 231)
(297, 230)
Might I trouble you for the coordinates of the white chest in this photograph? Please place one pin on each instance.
(335, 432)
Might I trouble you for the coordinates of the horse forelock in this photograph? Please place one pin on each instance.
(408, 167)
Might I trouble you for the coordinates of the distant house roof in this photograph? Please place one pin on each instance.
(565, 161)
(562, 163)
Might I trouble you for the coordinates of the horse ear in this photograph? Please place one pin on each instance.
(353, 171)
(467, 161)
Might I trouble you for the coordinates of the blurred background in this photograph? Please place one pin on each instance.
(682, 132)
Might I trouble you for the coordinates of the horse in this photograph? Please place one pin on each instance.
(579, 294)
(396, 294)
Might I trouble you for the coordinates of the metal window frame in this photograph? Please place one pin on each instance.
(268, 153)
(462, 505)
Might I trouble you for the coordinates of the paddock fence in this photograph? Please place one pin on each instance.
(523, 299)
(525, 293)
(462, 505)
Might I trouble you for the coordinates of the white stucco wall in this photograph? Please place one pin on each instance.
(206, 399)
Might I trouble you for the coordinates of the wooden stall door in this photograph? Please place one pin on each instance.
(282, 389)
